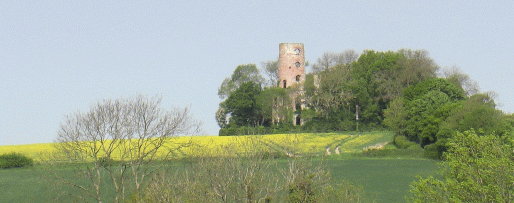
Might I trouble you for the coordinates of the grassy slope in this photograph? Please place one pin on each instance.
(385, 180)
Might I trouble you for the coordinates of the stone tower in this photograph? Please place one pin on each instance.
(291, 64)
(291, 71)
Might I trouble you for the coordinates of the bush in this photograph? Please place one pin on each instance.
(402, 142)
(475, 169)
(14, 160)
(414, 152)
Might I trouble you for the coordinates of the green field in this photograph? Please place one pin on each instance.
(383, 179)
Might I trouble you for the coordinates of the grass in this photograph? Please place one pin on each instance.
(383, 179)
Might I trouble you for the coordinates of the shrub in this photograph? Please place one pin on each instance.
(15, 160)
(475, 169)
(402, 142)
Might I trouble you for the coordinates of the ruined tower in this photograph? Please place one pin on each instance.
(291, 71)
(291, 64)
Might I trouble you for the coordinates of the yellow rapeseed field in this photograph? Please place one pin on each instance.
(219, 146)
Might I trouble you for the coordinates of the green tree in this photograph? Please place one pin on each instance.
(331, 91)
(369, 83)
(242, 105)
(426, 107)
(395, 116)
(476, 112)
(243, 73)
(274, 104)
(476, 169)
(438, 84)
(423, 124)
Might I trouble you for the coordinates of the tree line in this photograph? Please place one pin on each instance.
(404, 91)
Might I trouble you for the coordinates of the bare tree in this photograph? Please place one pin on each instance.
(270, 67)
(330, 59)
(242, 172)
(462, 80)
(119, 143)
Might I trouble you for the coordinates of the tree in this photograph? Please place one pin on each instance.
(120, 141)
(274, 104)
(461, 80)
(370, 81)
(416, 67)
(476, 169)
(395, 116)
(270, 67)
(243, 73)
(330, 59)
(427, 105)
(423, 123)
(331, 92)
(476, 112)
(221, 115)
(242, 105)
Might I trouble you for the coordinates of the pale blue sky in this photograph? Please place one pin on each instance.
(58, 57)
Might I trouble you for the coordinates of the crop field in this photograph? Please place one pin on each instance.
(383, 179)
(289, 144)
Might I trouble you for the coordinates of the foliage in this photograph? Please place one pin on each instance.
(427, 105)
(15, 160)
(423, 123)
(436, 84)
(270, 67)
(242, 105)
(331, 93)
(340, 82)
(461, 80)
(371, 82)
(402, 142)
(395, 116)
(221, 115)
(274, 104)
(476, 169)
(477, 112)
(242, 74)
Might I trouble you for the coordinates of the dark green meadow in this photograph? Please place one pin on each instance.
(383, 179)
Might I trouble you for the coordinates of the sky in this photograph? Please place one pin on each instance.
(59, 57)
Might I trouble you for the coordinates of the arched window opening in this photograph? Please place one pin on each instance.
(297, 78)
(285, 84)
(297, 51)
(297, 64)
